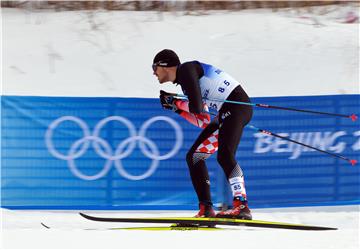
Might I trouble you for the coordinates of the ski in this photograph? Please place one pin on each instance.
(208, 222)
(162, 228)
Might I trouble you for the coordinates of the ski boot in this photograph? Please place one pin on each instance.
(240, 210)
(206, 211)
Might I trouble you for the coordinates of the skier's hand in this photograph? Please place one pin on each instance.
(167, 100)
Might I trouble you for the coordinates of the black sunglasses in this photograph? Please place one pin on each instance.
(160, 63)
(154, 66)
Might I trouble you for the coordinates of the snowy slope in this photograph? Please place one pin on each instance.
(22, 229)
(82, 53)
(79, 53)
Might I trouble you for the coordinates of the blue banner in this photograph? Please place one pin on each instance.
(128, 153)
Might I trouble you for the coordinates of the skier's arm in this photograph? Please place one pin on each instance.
(200, 120)
(188, 75)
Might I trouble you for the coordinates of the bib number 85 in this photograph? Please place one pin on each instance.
(221, 89)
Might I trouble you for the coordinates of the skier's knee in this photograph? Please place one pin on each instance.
(225, 158)
(189, 158)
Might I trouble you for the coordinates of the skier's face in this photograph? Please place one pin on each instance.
(161, 73)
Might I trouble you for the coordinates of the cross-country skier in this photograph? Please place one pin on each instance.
(201, 82)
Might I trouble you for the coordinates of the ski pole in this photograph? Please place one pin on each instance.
(351, 161)
(353, 117)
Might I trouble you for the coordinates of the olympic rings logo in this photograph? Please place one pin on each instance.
(104, 150)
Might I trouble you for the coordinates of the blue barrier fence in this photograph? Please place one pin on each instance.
(128, 153)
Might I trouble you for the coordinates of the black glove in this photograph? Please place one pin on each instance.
(167, 100)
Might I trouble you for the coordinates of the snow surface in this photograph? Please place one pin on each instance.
(98, 53)
(22, 229)
(84, 53)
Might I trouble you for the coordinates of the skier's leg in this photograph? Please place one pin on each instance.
(204, 146)
(232, 121)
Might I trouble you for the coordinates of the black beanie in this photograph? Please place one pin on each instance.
(166, 58)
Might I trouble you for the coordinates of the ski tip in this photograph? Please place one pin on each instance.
(45, 225)
(89, 217)
(353, 162)
(353, 117)
(83, 215)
